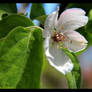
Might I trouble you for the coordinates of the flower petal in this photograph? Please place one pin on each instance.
(50, 23)
(45, 33)
(57, 58)
(72, 19)
(51, 20)
(75, 41)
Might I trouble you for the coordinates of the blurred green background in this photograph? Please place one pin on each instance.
(51, 78)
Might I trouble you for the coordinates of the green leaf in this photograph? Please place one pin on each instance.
(89, 38)
(42, 19)
(21, 58)
(74, 77)
(12, 21)
(85, 6)
(32, 72)
(88, 27)
(90, 15)
(8, 7)
(36, 10)
(2, 13)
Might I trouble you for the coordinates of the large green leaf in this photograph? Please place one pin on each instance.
(36, 10)
(31, 75)
(21, 58)
(12, 21)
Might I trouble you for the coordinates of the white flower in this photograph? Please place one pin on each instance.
(62, 30)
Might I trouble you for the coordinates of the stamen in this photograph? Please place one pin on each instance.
(58, 37)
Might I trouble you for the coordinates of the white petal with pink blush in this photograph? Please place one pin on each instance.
(62, 30)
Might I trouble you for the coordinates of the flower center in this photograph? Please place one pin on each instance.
(58, 37)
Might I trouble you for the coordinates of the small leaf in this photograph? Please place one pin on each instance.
(21, 58)
(36, 10)
(12, 21)
(88, 27)
(42, 19)
(89, 38)
(2, 13)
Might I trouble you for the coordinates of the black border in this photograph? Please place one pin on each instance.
(46, 90)
(45, 1)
